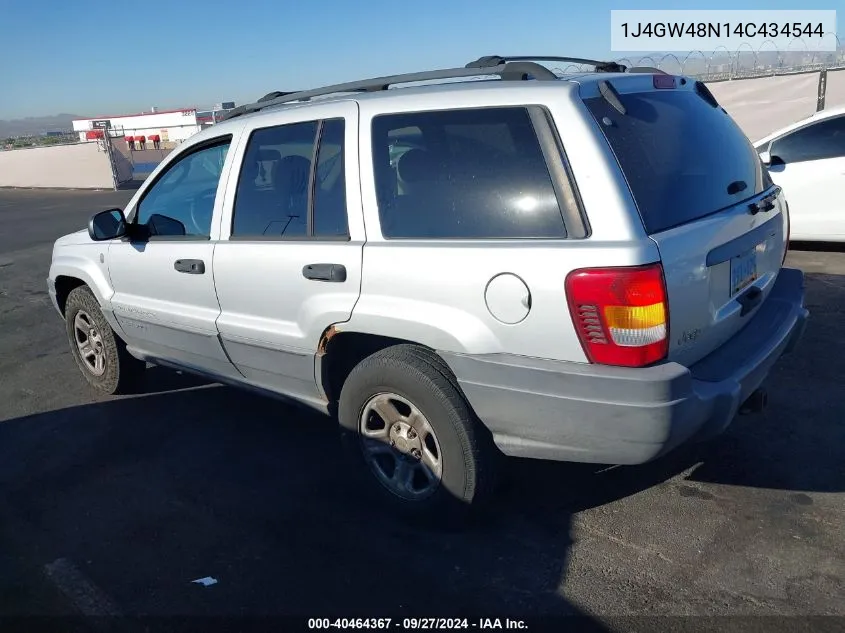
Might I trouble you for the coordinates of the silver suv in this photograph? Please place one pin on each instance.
(585, 268)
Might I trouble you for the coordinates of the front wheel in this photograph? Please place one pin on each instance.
(100, 355)
(413, 437)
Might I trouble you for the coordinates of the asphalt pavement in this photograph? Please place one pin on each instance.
(125, 501)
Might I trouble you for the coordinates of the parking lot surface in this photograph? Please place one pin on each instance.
(143, 494)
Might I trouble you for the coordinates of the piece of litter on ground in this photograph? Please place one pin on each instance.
(205, 582)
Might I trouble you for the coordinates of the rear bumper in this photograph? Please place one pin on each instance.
(589, 413)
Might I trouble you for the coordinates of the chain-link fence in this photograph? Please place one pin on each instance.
(133, 158)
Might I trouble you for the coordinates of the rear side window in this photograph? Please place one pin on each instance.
(683, 158)
(463, 174)
(825, 139)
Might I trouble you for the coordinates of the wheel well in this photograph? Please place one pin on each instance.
(64, 286)
(342, 351)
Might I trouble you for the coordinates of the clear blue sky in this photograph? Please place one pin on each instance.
(98, 57)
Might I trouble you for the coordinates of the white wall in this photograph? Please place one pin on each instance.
(79, 166)
(765, 104)
(835, 94)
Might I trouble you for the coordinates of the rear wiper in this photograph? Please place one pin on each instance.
(609, 94)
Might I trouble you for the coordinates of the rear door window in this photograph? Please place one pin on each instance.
(330, 219)
(683, 158)
(463, 174)
(272, 195)
(280, 195)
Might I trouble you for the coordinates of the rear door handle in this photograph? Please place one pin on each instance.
(190, 266)
(325, 272)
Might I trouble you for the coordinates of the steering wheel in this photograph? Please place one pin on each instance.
(202, 211)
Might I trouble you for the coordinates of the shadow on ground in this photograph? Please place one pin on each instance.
(822, 247)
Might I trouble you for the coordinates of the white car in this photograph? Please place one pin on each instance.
(807, 159)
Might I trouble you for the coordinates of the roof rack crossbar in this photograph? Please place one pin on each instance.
(520, 70)
(515, 68)
(506, 71)
(495, 60)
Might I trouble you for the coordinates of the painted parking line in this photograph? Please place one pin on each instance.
(87, 597)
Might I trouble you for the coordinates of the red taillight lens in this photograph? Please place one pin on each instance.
(621, 314)
(788, 230)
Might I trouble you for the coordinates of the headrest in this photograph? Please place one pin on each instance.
(265, 155)
(292, 173)
(417, 165)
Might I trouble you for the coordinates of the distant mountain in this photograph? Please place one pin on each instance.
(36, 125)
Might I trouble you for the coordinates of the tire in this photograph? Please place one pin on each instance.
(111, 369)
(410, 378)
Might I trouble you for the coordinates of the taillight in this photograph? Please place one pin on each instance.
(621, 314)
(788, 230)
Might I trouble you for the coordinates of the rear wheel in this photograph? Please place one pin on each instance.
(413, 438)
(100, 354)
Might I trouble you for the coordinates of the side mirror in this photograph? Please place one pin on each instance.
(107, 225)
(769, 159)
(163, 225)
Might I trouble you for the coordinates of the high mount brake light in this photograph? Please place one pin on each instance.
(664, 81)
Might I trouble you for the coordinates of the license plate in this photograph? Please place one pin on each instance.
(743, 270)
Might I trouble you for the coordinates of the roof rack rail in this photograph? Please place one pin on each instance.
(507, 71)
(495, 60)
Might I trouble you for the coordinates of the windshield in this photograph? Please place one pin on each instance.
(683, 158)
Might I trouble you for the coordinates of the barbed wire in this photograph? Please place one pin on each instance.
(724, 63)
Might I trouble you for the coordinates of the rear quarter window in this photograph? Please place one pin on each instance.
(679, 155)
(463, 174)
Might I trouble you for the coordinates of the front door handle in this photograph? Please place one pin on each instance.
(325, 272)
(190, 266)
